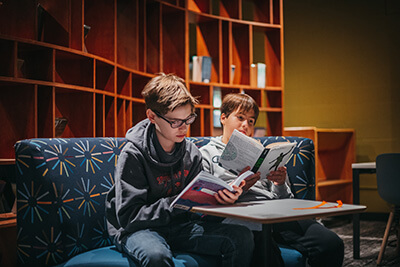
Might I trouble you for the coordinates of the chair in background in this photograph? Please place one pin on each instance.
(388, 180)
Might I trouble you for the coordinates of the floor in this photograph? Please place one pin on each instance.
(371, 235)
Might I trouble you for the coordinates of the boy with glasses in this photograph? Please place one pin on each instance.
(153, 168)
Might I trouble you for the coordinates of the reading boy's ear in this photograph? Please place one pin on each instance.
(150, 115)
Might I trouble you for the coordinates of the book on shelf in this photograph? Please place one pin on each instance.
(233, 68)
(253, 75)
(201, 190)
(201, 67)
(261, 75)
(258, 75)
(242, 151)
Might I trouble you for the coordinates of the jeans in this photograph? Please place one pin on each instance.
(320, 245)
(233, 244)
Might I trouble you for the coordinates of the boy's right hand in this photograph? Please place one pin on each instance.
(251, 180)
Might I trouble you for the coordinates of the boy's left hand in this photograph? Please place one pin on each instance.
(278, 177)
(225, 197)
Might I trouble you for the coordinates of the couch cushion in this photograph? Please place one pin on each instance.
(109, 256)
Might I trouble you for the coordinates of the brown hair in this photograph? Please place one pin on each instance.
(166, 92)
(243, 102)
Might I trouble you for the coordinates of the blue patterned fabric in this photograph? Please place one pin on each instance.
(61, 189)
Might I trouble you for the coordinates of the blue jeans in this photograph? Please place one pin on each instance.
(233, 244)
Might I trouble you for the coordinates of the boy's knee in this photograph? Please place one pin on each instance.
(245, 239)
(157, 258)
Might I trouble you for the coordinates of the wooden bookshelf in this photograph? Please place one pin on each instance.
(334, 154)
(88, 61)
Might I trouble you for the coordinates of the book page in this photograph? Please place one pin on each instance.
(241, 177)
(278, 155)
(200, 191)
(240, 151)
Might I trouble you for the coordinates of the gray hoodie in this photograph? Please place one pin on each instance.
(261, 190)
(147, 179)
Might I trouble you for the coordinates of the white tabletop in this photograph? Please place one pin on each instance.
(364, 165)
(279, 210)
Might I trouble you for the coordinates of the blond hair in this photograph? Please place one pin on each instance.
(166, 92)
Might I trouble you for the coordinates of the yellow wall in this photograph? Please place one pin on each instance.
(342, 70)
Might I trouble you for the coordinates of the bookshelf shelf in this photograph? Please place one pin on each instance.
(88, 61)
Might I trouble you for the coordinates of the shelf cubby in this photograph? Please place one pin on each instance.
(99, 115)
(277, 12)
(230, 9)
(202, 92)
(258, 11)
(121, 120)
(256, 95)
(128, 34)
(34, 62)
(273, 57)
(273, 99)
(152, 32)
(105, 76)
(77, 31)
(123, 82)
(53, 22)
(138, 83)
(77, 107)
(240, 53)
(109, 116)
(203, 124)
(17, 115)
(204, 32)
(99, 16)
(7, 58)
(227, 75)
(45, 116)
(274, 123)
(138, 112)
(199, 6)
(228, 90)
(173, 42)
(17, 21)
(74, 69)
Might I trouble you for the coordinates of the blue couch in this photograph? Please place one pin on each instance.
(61, 189)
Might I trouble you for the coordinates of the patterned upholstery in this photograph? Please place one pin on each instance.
(61, 189)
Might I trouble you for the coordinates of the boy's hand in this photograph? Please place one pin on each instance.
(251, 180)
(278, 177)
(225, 197)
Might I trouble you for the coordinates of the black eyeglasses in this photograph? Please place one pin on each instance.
(178, 123)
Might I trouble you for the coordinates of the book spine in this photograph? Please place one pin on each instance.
(260, 160)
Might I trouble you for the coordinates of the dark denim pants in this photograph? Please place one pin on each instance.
(232, 244)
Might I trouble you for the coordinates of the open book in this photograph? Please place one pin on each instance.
(200, 191)
(242, 151)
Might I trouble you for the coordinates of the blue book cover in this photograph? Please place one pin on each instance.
(206, 64)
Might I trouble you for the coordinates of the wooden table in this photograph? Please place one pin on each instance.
(275, 211)
(358, 168)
